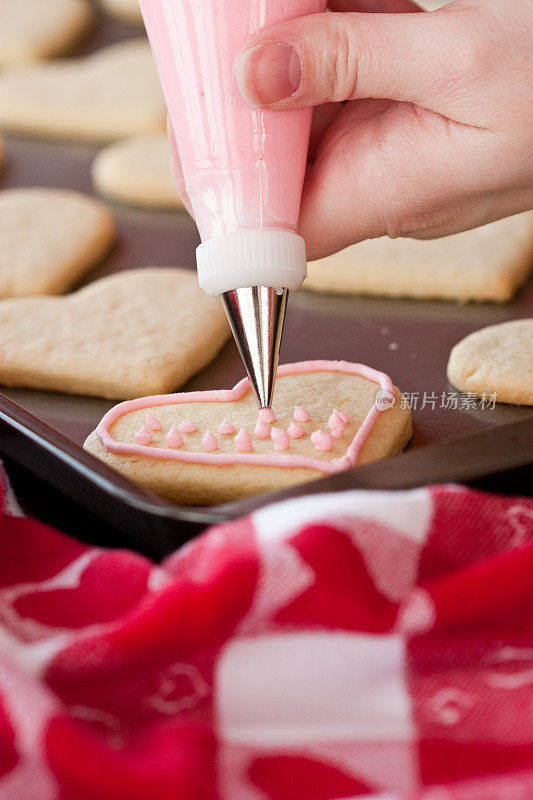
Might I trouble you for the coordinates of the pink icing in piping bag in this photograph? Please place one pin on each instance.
(262, 430)
(301, 414)
(296, 430)
(210, 442)
(243, 167)
(152, 423)
(281, 439)
(226, 428)
(188, 427)
(243, 441)
(174, 437)
(144, 436)
(266, 415)
(322, 440)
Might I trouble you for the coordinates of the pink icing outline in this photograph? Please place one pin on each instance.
(239, 391)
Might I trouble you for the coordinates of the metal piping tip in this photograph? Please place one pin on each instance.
(256, 315)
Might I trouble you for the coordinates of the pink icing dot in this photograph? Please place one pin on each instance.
(301, 414)
(296, 430)
(152, 423)
(322, 440)
(343, 415)
(226, 428)
(266, 415)
(144, 436)
(174, 437)
(281, 439)
(210, 442)
(336, 425)
(335, 420)
(262, 430)
(243, 441)
(188, 427)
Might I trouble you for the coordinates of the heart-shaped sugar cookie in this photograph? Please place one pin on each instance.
(487, 263)
(49, 238)
(137, 171)
(136, 332)
(32, 29)
(109, 95)
(209, 447)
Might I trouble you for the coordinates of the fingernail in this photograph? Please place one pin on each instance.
(267, 74)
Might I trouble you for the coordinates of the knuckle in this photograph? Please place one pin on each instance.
(340, 64)
(480, 48)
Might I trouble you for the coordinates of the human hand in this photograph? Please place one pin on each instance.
(437, 133)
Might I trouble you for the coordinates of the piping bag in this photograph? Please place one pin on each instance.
(243, 167)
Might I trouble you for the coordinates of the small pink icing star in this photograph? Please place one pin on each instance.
(174, 437)
(226, 428)
(262, 430)
(210, 442)
(301, 414)
(144, 436)
(343, 415)
(281, 439)
(296, 430)
(243, 441)
(188, 427)
(322, 440)
(266, 415)
(336, 425)
(152, 423)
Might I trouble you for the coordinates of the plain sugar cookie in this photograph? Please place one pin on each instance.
(109, 95)
(127, 10)
(496, 360)
(137, 171)
(137, 332)
(211, 447)
(49, 238)
(488, 263)
(31, 30)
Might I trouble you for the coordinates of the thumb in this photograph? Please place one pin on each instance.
(346, 56)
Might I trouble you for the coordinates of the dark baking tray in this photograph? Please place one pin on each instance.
(410, 340)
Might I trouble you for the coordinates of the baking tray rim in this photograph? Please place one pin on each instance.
(485, 458)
